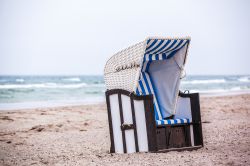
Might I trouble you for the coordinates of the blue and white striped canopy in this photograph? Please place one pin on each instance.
(157, 49)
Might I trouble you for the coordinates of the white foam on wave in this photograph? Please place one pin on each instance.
(244, 79)
(69, 86)
(45, 85)
(19, 80)
(73, 79)
(208, 91)
(204, 81)
(17, 86)
(233, 89)
(97, 85)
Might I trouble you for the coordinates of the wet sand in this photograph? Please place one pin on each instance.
(78, 135)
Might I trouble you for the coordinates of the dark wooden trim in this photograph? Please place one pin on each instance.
(134, 122)
(122, 121)
(187, 135)
(181, 94)
(129, 94)
(150, 123)
(173, 137)
(117, 91)
(180, 149)
(127, 126)
(168, 133)
(144, 97)
(162, 138)
(196, 116)
(112, 147)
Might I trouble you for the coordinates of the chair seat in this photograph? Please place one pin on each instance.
(173, 121)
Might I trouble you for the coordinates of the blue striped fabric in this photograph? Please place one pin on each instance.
(163, 49)
(157, 49)
(161, 46)
(146, 88)
(173, 121)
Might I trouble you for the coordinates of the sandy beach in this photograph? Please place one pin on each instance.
(78, 135)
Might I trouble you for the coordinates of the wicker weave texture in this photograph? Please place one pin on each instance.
(122, 69)
(122, 80)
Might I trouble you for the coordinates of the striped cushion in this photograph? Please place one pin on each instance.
(172, 121)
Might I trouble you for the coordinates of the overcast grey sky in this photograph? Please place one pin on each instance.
(77, 37)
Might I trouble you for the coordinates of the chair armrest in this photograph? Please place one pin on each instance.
(194, 104)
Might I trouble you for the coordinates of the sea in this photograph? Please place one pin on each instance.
(20, 92)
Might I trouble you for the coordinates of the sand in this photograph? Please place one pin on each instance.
(78, 135)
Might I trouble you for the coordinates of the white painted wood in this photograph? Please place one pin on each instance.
(116, 123)
(141, 126)
(127, 117)
(130, 141)
(192, 135)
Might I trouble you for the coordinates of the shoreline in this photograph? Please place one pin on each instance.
(100, 100)
(228, 93)
(43, 104)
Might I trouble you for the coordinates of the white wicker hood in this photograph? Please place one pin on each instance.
(145, 68)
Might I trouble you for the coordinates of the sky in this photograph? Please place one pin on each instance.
(77, 37)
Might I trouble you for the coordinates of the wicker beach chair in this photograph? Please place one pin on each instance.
(146, 110)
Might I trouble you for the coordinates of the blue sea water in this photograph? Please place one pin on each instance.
(39, 91)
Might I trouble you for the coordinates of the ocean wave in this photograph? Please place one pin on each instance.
(219, 90)
(73, 79)
(97, 85)
(204, 81)
(209, 91)
(244, 79)
(45, 85)
(19, 80)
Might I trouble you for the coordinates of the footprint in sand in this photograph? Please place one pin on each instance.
(8, 142)
(6, 118)
(82, 130)
(59, 125)
(38, 128)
